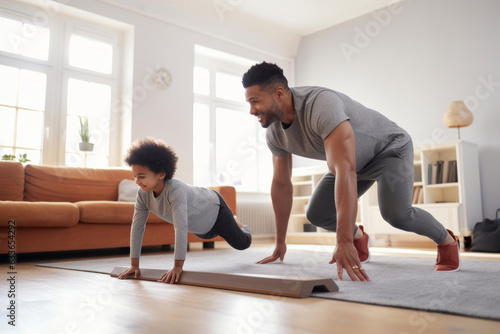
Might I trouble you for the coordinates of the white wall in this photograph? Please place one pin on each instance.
(165, 36)
(409, 62)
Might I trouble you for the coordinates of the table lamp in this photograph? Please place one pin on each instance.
(457, 116)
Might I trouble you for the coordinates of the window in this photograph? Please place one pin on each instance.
(97, 111)
(22, 104)
(229, 144)
(22, 38)
(99, 60)
(51, 74)
(89, 96)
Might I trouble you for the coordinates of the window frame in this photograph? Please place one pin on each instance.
(224, 64)
(58, 71)
(73, 72)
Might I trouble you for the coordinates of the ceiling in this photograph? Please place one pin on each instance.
(300, 17)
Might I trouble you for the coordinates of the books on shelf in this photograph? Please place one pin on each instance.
(418, 195)
(442, 172)
(453, 175)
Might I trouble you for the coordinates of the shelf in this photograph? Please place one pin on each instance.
(303, 183)
(321, 238)
(428, 205)
(438, 205)
(301, 198)
(318, 234)
(442, 185)
(456, 205)
(304, 180)
(307, 172)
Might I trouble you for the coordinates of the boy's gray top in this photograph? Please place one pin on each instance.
(318, 111)
(188, 208)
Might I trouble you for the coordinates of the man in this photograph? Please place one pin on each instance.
(360, 146)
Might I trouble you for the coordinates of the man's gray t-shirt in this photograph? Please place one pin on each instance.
(318, 111)
(188, 208)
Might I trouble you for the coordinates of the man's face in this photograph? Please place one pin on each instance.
(262, 105)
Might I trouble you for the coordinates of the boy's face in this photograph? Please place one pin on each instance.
(147, 179)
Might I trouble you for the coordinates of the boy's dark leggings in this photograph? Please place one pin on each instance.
(227, 227)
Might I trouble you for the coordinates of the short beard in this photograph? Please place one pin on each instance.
(273, 115)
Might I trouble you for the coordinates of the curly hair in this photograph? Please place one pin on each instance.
(268, 76)
(154, 154)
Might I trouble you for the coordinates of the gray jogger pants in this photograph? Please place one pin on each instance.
(393, 172)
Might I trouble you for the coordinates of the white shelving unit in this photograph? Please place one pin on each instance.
(304, 180)
(455, 204)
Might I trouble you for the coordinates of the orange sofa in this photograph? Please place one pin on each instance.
(66, 208)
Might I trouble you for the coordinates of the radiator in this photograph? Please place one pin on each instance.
(259, 216)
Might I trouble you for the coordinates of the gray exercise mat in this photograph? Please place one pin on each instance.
(406, 282)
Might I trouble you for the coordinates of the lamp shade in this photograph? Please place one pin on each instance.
(457, 115)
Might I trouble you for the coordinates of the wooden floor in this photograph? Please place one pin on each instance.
(65, 301)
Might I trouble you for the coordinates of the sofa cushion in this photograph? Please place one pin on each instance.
(12, 181)
(127, 191)
(99, 212)
(40, 214)
(71, 184)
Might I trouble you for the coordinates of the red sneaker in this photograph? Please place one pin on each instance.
(363, 246)
(448, 258)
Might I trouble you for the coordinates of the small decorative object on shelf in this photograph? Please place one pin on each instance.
(85, 145)
(458, 116)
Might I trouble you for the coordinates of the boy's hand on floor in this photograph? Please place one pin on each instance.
(132, 270)
(171, 276)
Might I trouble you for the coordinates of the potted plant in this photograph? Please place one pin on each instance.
(23, 158)
(8, 157)
(85, 145)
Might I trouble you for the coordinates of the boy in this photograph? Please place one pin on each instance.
(193, 209)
